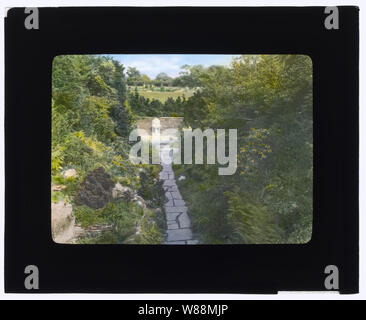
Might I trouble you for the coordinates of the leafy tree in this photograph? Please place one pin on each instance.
(133, 73)
(134, 76)
(162, 76)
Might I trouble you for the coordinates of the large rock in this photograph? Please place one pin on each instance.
(123, 192)
(58, 187)
(96, 190)
(128, 195)
(139, 201)
(70, 173)
(62, 222)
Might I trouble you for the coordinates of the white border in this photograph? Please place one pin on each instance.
(282, 296)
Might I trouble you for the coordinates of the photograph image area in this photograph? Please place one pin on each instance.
(182, 149)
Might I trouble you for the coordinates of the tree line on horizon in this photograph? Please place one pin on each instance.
(186, 78)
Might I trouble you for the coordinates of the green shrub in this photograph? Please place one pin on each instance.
(87, 217)
(151, 188)
(251, 222)
(123, 219)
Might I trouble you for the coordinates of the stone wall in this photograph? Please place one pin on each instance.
(62, 222)
(165, 123)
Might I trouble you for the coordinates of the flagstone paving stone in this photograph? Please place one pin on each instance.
(184, 221)
(176, 195)
(179, 234)
(172, 216)
(169, 203)
(177, 217)
(179, 202)
(173, 226)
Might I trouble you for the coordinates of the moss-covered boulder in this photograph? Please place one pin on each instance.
(96, 189)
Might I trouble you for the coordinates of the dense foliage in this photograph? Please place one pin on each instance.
(154, 108)
(268, 99)
(186, 78)
(91, 121)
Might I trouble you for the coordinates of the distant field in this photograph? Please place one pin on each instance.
(174, 92)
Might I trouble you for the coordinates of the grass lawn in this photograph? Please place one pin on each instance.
(164, 95)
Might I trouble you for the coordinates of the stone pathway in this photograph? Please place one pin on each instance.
(178, 221)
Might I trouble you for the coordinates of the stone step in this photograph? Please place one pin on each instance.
(169, 203)
(169, 183)
(179, 203)
(176, 209)
(173, 226)
(184, 220)
(170, 188)
(172, 216)
(176, 195)
(192, 241)
(176, 242)
(179, 234)
(178, 222)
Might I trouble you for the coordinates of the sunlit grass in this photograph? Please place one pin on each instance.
(162, 96)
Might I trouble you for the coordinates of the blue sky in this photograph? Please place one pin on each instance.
(153, 64)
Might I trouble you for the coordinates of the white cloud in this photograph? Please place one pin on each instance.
(153, 65)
